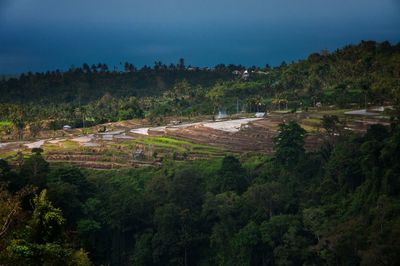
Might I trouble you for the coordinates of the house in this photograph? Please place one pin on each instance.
(245, 75)
(260, 114)
(222, 114)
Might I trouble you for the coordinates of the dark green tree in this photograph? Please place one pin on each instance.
(231, 176)
(289, 144)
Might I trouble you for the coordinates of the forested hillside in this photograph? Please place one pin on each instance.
(339, 205)
(369, 66)
(367, 73)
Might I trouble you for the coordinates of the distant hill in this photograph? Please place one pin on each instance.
(370, 66)
(8, 76)
(86, 84)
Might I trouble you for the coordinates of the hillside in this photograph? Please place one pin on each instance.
(369, 66)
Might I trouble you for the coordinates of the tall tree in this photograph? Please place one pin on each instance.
(289, 143)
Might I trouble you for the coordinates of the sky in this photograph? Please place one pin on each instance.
(41, 35)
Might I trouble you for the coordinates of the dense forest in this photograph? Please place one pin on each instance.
(356, 75)
(339, 205)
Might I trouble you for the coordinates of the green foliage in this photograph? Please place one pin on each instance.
(231, 176)
(6, 127)
(330, 124)
(42, 240)
(81, 258)
(289, 144)
(265, 199)
(66, 196)
(47, 221)
(34, 169)
(337, 206)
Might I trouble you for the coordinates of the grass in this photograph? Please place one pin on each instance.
(253, 161)
(70, 145)
(66, 145)
(7, 154)
(6, 124)
(10, 156)
(121, 151)
(165, 144)
(308, 128)
(311, 120)
(51, 147)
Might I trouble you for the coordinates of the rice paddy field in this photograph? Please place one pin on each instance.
(137, 144)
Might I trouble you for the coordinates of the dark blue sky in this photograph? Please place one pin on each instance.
(39, 35)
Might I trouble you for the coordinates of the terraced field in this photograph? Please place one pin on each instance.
(129, 144)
